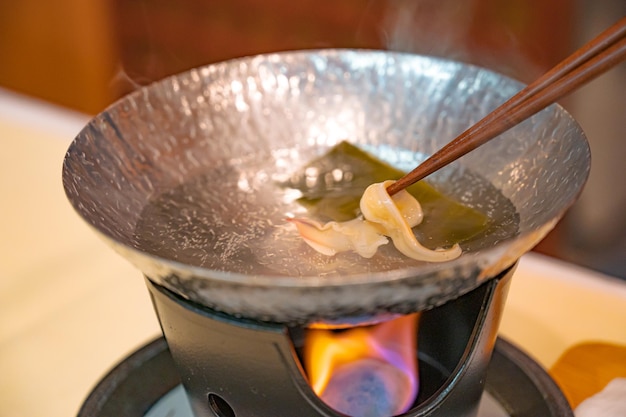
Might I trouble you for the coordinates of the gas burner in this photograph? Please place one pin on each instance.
(146, 384)
(233, 367)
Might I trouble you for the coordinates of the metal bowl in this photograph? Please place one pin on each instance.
(181, 178)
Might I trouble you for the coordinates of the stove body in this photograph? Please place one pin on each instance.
(235, 367)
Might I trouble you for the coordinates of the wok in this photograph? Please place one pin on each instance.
(183, 178)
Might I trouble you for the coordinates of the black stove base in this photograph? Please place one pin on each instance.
(146, 384)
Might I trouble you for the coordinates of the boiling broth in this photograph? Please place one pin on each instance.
(233, 217)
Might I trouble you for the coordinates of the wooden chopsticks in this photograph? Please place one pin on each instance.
(588, 62)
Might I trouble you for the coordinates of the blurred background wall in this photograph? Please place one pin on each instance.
(85, 54)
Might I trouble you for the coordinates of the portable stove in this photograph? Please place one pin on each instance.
(221, 267)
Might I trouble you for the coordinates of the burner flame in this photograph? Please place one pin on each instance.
(365, 371)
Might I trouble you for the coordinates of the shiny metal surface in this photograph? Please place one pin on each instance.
(233, 130)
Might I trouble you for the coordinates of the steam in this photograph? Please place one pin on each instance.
(461, 31)
(122, 83)
(489, 34)
(428, 27)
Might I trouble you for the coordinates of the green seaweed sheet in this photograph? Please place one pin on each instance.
(341, 175)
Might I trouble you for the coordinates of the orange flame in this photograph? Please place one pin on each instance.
(365, 371)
